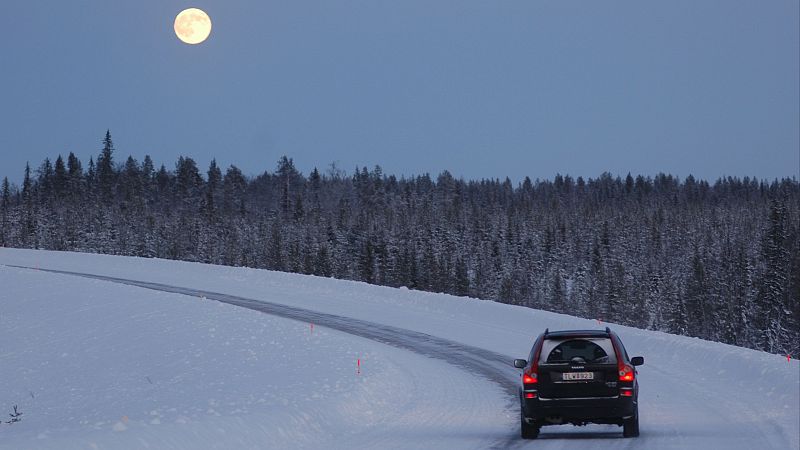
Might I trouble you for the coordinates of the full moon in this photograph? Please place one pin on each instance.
(192, 26)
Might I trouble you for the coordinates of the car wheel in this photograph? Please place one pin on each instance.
(630, 427)
(528, 431)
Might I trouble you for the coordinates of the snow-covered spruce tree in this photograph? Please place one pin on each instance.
(27, 232)
(773, 299)
(5, 206)
(696, 300)
(106, 174)
(793, 293)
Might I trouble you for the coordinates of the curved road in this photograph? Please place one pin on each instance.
(492, 366)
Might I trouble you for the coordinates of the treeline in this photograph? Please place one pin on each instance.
(719, 261)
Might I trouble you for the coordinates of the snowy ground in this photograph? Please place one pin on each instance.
(94, 364)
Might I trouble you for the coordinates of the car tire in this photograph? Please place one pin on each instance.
(630, 427)
(528, 431)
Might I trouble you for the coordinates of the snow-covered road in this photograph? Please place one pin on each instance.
(99, 365)
(695, 394)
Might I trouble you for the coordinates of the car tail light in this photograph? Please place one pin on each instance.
(626, 372)
(531, 375)
(626, 392)
(530, 395)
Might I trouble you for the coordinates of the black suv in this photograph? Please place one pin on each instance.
(578, 377)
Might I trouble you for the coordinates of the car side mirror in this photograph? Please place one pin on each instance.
(520, 363)
(637, 360)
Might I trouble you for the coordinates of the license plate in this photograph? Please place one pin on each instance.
(576, 376)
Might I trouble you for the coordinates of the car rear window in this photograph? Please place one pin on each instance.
(579, 350)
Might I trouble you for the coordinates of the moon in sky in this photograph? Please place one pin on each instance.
(192, 26)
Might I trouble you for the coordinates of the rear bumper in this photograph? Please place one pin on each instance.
(596, 410)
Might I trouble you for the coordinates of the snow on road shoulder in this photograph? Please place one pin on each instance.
(93, 364)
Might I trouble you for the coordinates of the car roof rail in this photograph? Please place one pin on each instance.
(546, 331)
(608, 331)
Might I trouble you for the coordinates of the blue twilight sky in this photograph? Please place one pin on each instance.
(483, 88)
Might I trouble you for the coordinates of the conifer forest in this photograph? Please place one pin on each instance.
(716, 259)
